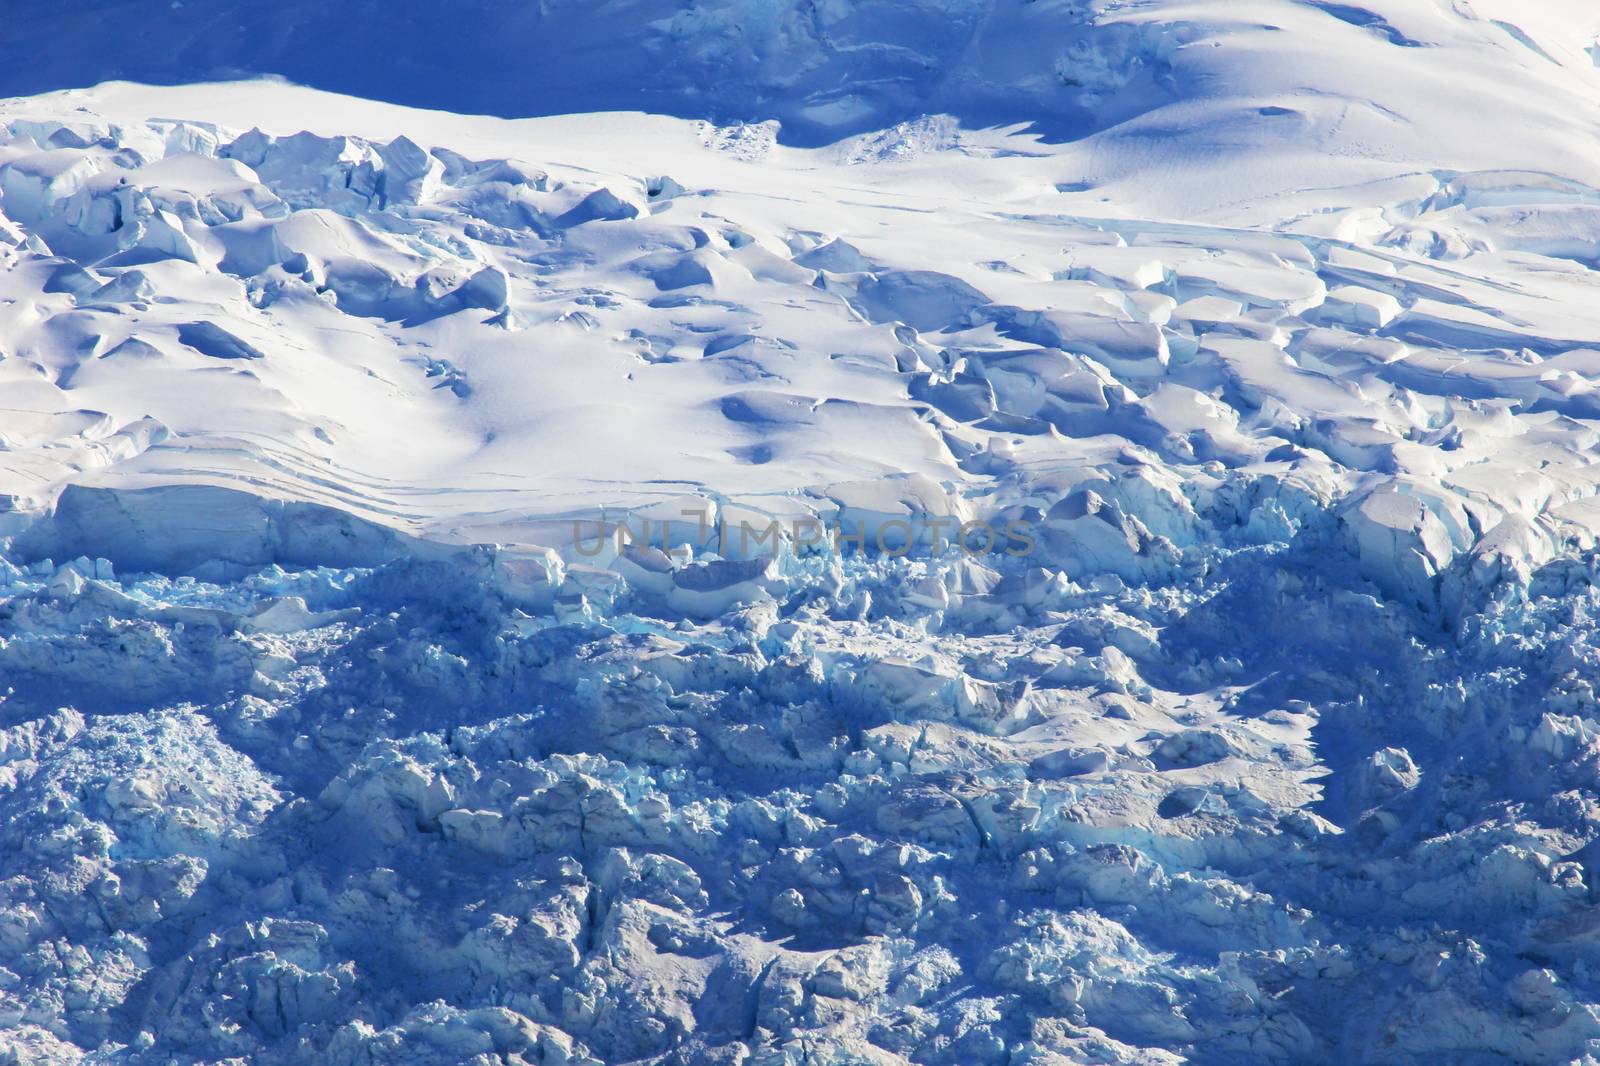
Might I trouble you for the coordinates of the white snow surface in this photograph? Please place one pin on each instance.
(1271, 325)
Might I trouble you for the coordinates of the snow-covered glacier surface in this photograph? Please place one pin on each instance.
(808, 577)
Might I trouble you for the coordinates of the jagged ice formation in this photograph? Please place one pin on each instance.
(326, 737)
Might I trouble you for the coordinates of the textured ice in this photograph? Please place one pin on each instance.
(625, 588)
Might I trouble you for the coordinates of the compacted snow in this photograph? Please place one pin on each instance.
(977, 533)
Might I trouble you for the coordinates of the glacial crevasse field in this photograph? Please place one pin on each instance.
(413, 644)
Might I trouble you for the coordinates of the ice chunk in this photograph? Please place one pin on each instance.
(602, 205)
(1403, 545)
(1359, 307)
(922, 299)
(410, 175)
(208, 338)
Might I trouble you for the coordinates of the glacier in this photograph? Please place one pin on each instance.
(872, 531)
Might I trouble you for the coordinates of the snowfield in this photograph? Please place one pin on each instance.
(968, 533)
